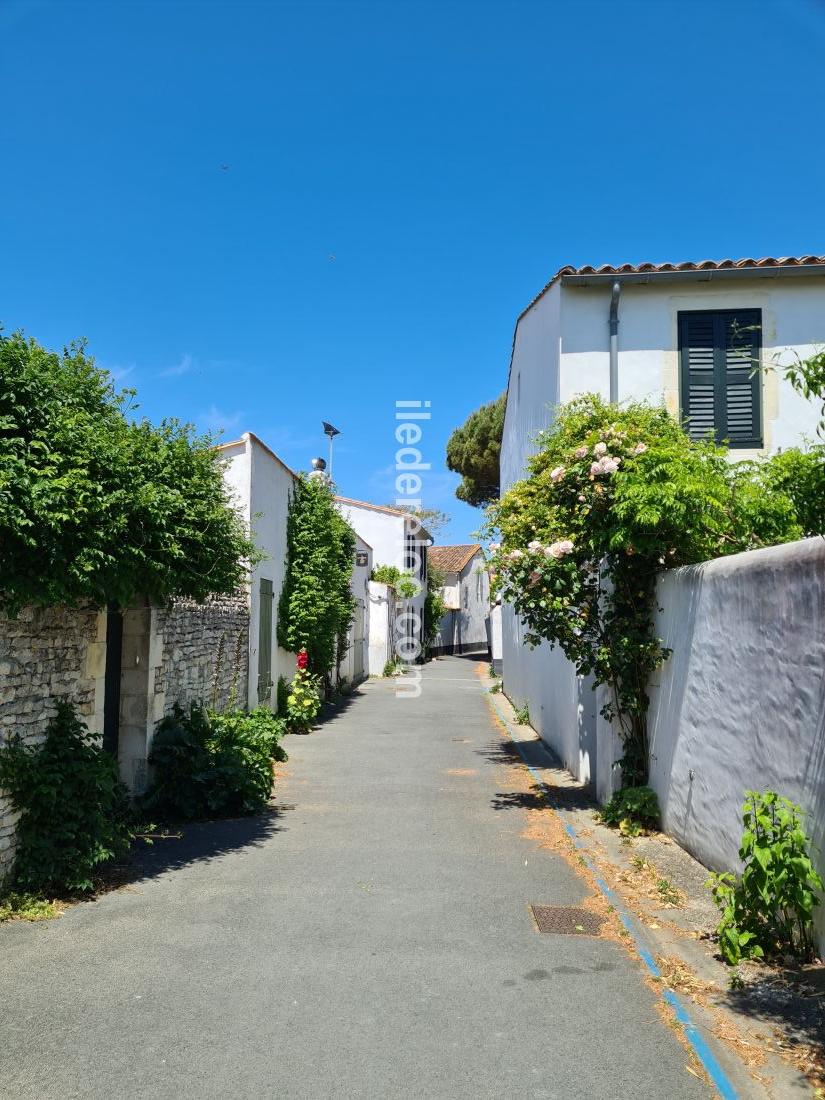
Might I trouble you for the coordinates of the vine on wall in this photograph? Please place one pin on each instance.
(316, 605)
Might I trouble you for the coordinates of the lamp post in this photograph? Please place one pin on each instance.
(331, 432)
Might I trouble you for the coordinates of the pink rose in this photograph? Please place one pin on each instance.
(600, 449)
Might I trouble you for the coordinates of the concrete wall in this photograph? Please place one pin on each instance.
(741, 702)
(47, 652)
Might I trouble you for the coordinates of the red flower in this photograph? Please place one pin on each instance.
(303, 660)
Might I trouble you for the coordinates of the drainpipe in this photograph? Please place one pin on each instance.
(614, 343)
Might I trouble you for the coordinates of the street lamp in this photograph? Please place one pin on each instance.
(331, 432)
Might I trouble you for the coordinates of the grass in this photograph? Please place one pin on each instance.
(14, 906)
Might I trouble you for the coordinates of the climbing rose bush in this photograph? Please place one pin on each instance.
(612, 496)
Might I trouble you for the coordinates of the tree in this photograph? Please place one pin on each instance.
(432, 520)
(474, 449)
(97, 506)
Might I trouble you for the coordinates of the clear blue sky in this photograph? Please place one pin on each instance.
(450, 156)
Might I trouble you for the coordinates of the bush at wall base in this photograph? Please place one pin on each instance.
(74, 810)
(213, 765)
(768, 911)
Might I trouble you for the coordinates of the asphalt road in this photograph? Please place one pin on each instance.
(370, 939)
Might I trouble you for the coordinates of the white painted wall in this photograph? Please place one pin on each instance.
(793, 319)
(385, 532)
(261, 485)
(740, 704)
(381, 616)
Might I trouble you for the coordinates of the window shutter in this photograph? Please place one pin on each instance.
(720, 351)
(265, 641)
(740, 343)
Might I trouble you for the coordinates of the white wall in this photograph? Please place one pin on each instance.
(260, 485)
(793, 317)
(381, 617)
(741, 702)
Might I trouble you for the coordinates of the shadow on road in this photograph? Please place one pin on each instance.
(198, 842)
(538, 797)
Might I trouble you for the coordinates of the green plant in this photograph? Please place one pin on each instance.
(495, 688)
(768, 910)
(303, 701)
(95, 505)
(798, 474)
(522, 715)
(435, 607)
(404, 584)
(393, 667)
(807, 376)
(316, 605)
(74, 810)
(613, 496)
(492, 672)
(668, 893)
(31, 907)
(213, 765)
(633, 810)
(474, 450)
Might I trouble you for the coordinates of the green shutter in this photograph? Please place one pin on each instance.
(265, 641)
(721, 383)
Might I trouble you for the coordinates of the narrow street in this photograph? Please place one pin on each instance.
(372, 939)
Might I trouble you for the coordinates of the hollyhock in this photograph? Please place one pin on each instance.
(303, 659)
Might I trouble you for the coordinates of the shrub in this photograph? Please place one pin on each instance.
(74, 810)
(522, 715)
(213, 765)
(768, 910)
(404, 584)
(632, 810)
(393, 667)
(800, 475)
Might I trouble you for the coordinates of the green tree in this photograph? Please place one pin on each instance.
(474, 449)
(97, 506)
(316, 605)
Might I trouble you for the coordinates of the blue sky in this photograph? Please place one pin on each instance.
(401, 179)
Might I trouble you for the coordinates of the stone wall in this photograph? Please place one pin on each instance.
(204, 653)
(46, 653)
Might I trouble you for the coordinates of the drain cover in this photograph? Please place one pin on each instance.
(566, 920)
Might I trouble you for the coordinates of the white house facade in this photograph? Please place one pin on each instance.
(465, 625)
(690, 336)
(396, 538)
(260, 485)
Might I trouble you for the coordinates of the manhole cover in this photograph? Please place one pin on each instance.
(566, 920)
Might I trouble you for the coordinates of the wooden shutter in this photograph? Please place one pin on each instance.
(720, 357)
(265, 641)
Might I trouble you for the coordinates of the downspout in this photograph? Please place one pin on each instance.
(613, 324)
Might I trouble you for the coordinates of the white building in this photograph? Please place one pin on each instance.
(465, 625)
(687, 335)
(396, 538)
(261, 484)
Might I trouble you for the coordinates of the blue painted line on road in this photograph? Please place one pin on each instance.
(720, 1080)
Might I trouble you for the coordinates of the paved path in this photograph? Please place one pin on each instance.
(372, 940)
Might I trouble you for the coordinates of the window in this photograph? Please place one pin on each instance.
(719, 353)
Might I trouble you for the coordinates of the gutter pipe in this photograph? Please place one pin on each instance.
(613, 324)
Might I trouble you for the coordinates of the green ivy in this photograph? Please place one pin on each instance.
(74, 810)
(768, 911)
(96, 506)
(613, 496)
(316, 604)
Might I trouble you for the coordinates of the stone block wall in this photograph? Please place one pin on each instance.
(203, 653)
(46, 653)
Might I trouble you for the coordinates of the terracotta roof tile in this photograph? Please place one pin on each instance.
(451, 559)
(686, 265)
